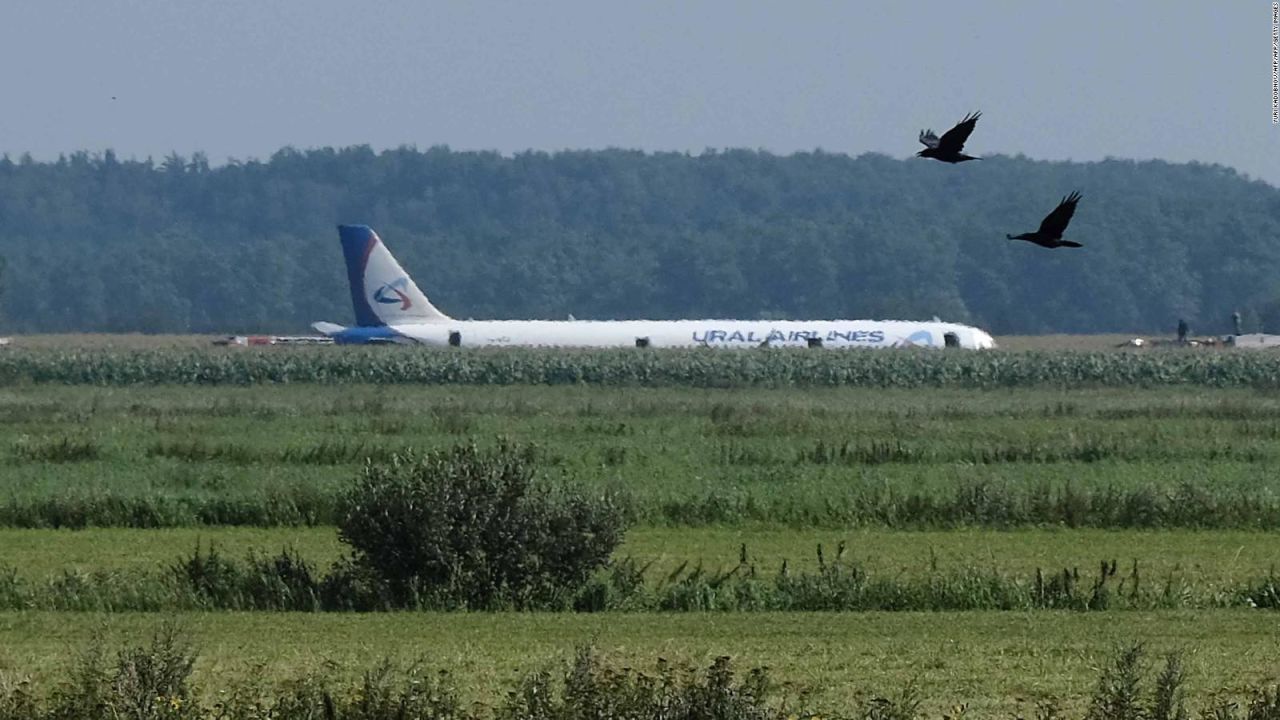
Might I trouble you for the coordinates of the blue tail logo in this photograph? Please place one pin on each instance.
(393, 292)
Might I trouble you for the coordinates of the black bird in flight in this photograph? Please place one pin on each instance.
(947, 148)
(1051, 228)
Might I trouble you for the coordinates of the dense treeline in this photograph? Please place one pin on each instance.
(93, 243)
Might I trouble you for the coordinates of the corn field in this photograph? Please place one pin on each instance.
(631, 368)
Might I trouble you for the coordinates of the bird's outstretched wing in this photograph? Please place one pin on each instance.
(953, 140)
(928, 138)
(1055, 222)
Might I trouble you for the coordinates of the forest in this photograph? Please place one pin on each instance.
(94, 243)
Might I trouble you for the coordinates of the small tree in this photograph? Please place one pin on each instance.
(466, 528)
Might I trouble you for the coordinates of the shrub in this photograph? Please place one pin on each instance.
(264, 582)
(147, 682)
(1118, 695)
(212, 579)
(284, 582)
(466, 528)
(353, 587)
(593, 689)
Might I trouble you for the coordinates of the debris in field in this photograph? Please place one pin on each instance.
(1253, 341)
(247, 340)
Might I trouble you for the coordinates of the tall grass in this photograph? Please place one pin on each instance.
(986, 504)
(207, 579)
(289, 507)
(57, 450)
(957, 504)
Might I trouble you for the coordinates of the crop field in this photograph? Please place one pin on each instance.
(947, 507)
(693, 368)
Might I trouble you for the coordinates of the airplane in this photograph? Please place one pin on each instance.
(390, 309)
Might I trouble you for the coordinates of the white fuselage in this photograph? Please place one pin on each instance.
(390, 308)
(694, 333)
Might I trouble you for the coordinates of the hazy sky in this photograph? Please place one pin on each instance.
(1080, 80)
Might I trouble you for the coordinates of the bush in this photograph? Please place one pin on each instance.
(466, 528)
(285, 581)
(1118, 695)
(149, 682)
(593, 689)
(351, 587)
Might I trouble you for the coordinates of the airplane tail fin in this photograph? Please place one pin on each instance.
(381, 291)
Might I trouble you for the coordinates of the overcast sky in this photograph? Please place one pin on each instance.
(241, 78)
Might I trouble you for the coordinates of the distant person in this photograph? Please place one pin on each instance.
(1182, 330)
(1235, 321)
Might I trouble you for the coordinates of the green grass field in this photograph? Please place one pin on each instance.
(791, 466)
(801, 458)
(999, 663)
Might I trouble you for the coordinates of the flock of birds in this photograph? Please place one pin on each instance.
(948, 149)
